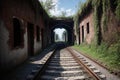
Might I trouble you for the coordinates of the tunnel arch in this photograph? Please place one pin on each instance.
(69, 30)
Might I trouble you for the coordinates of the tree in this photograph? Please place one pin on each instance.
(63, 14)
(48, 5)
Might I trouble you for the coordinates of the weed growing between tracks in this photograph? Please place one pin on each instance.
(108, 55)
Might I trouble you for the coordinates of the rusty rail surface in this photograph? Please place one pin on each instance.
(84, 66)
(89, 71)
(87, 56)
(42, 70)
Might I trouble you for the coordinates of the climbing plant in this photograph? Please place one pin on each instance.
(118, 9)
(106, 7)
(101, 10)
(97, 16)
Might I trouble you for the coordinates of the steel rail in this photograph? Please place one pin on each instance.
(42, 70)
(84, 66)
(87, 56)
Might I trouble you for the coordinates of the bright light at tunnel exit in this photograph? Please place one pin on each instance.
(59, 31)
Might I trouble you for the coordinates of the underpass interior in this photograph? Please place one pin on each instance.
(62, 33)
(28, 34)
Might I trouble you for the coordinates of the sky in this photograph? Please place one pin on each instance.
(69, 6)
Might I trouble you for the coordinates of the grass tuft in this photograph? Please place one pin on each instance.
(109, 55)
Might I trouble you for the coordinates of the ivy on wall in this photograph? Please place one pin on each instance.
(100, 10)
(97, 17)
(117, 11)
(106, 7)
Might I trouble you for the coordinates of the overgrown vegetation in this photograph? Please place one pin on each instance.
(85, 9)
(97, 17)
(101, 10)
(106, 7)
(109, 56)
(118, 9)
(108, 53)
(82, 11)
(48, 5)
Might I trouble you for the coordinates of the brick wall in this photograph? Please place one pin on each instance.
(88, 37)
(25, 12)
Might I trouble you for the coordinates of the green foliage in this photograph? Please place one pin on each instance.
(76, 23)
(82, 10)
(106, 7)
(96, 26)
(115, 49)
(118, 9)
(109, 55)
(96, 3)
(97, 16)
(48, 5)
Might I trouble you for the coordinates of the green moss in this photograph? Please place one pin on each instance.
(118, 9)
(106, 7)
(97, 16)
(96, 26)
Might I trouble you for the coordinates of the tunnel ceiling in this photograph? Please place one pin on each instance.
(67, 27)
(67, 24)
(62, 23)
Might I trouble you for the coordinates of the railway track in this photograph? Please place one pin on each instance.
(66, 65)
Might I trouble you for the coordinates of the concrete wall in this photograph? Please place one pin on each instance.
(88, 37)
(8, 57)
(23, 10)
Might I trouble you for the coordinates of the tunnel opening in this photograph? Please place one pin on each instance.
(66, 35)
(61, 35)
